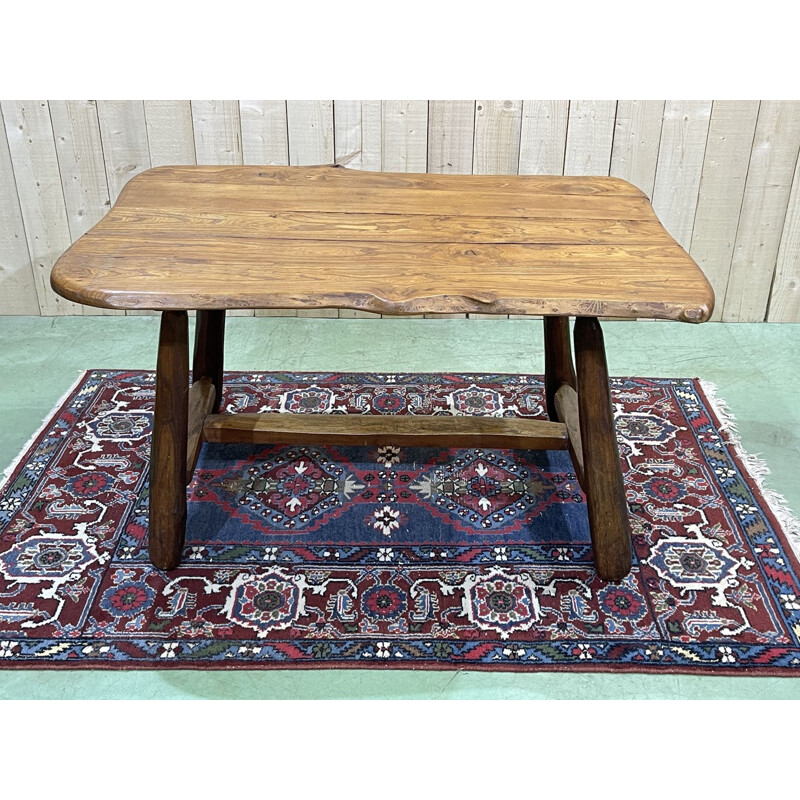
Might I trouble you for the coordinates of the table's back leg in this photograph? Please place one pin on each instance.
(603, 483)
(209, 346)
(558, 368)
(167, 527)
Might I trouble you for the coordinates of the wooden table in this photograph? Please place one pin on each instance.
(217, 238)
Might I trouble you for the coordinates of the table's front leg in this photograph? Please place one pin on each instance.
(167, 528)
(602, 483)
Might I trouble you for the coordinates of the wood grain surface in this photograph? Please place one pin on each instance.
(244, 237)
(367, 430)
(167, 515)
(602, 475)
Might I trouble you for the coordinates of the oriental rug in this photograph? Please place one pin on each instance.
(391, 556)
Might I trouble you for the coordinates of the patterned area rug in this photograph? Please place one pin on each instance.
(395, 557)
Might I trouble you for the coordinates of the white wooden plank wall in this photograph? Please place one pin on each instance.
(766, 197)
(590, 134)
(543, 138)
(32, 146)
(684, 131)
(719, 202)
(76, 128)
(637, 138)
(723, 175)
(17, 288)
(264, 137)
(170, 132)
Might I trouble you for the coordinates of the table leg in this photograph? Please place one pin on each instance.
(558, 367)
(603, 483)
(167, 527)
(209, 345)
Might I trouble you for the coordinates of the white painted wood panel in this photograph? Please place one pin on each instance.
(83, 175)
(264, 138)
(265, 141)
(41, 198)
(310, 124)
(451, 139)
(543, 138)
(170, 132)
(347, 133)
(17, 287)
(451, 134)
(371, 135)
(497, 137)
(727, 156)
(637, 136)
(590, 134)
(80, 159)
(217, 131)
(404, 133)
(680, 165)
(124, 133)
(123, 129)
(357, 134)
(218, 140)
(766, 196)
(784, 301)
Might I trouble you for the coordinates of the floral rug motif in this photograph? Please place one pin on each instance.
(398, 557)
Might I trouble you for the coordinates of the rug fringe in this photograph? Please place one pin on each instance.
(8, 471)
(755, 466)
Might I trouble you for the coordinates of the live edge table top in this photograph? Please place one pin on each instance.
(210, 237)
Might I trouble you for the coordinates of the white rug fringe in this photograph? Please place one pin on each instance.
(6, 477)
(755, 466)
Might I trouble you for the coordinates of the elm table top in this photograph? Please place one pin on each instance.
(212, 237)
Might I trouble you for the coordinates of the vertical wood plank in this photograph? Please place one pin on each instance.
(590, 134)
(347, 133)
(784, 301)
(357, 133)
(451, 135)
(404, 138)
(41, 198)
(311, 141)
(17, 287)
(404, 130)
(497, 137)
(727, 155)
(310, 124)
(170, 132)
(371, 136)
(637, 134)
(680, 164)
(124, 135)
(451, 140)
(83, 175)
(217, 131)
(496, 147)
(543, 138)
(218, 140)
(264, 139)
(766, 196)
(126, 152)
(80, 160)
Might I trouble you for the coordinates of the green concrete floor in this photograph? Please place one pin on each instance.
(756, 367)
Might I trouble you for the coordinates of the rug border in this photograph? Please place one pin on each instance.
(753, 465)
(8, 473)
